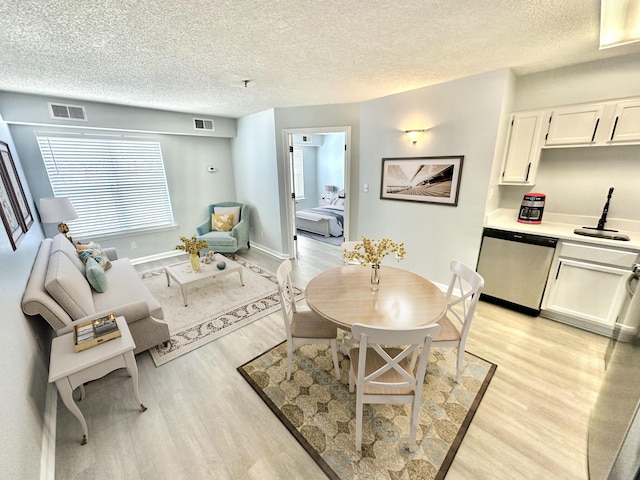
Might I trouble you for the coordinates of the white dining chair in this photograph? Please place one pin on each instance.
(455, 324)
(383, 374)
(303, 326)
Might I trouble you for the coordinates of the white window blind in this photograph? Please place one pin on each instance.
(115, 185)
(298, 172)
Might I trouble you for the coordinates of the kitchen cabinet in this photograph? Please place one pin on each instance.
(586, 286)
(574, 125)
(523, 148)
(626, 123)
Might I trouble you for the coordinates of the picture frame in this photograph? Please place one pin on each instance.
(14, 208)
(422, 179)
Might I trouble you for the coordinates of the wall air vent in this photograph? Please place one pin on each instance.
(203, 124)
(67, 112)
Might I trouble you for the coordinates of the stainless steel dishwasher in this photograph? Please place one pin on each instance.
(515, 267)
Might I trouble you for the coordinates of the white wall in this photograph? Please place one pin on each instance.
(24, 355)
(331, 163)
(463, 117)
(186, 158)
(576, 180)
(256, 178)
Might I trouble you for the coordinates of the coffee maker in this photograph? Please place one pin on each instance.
(532, 208)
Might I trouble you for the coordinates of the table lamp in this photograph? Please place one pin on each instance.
(58, 210)
(329, 188)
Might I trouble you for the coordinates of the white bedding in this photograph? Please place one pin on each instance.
(314, 220)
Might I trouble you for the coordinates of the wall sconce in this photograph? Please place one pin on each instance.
(414, 135)
(619, 23)
(58, 209)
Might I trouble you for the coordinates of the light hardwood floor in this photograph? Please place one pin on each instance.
(204, 421)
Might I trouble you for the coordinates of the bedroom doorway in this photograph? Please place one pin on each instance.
(318, 176)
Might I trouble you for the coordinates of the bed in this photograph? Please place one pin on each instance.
(327, 220)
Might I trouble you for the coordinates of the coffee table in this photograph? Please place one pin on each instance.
(184, 275)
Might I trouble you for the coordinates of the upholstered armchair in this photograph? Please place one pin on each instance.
(226, 241)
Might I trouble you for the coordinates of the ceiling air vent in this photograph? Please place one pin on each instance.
(203, 124)
(67, 112)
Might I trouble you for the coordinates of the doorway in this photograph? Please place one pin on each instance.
(318, 179)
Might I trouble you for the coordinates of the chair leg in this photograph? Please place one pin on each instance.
(359, 421)
(460, 363)
(289, 359)
(334, 351)
(352, 381)
(415, 413)
(248, 245)
(233, 256)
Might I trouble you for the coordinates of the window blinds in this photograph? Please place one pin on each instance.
(115, 185)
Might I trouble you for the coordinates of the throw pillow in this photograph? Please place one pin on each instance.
(235, 211)
(221, 222)
(92, 250)
(96, 276)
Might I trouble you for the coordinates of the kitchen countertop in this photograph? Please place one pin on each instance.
(561, 226)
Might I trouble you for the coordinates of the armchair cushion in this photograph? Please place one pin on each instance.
(235, 211)
(221, 222)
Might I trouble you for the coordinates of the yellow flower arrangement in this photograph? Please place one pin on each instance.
(191, 245)
(371, 252)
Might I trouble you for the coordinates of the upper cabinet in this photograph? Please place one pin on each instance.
(626, 123)
(615, 122)
(523, 148)
(575, 125)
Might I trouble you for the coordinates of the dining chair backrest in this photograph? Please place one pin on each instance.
(466, 285)
(285, 290)
(391, 374)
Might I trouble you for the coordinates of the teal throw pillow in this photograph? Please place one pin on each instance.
(96, 276)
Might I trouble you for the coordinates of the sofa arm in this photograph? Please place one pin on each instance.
(241, 232)
(204, 227)
(111, 253)
(132, 312)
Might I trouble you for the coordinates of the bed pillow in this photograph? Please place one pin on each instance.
(235, 211)
(338, 202)
(96, 275)
(93, 250)
(221, 222)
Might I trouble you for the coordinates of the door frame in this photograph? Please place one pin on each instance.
(287, 138)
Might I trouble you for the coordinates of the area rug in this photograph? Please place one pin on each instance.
(216, 307)
(321, 238)
(320, 413)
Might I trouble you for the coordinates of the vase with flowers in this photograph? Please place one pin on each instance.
(193, 246)
(371, 252)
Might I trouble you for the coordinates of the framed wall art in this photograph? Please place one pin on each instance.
(422, 179)
(14, 208)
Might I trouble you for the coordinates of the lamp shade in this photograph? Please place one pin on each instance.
(56, 210)
(328, 188)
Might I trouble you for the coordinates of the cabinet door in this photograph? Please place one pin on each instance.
(586, 291)
(575, 125)
(626, 123)
(523, 148)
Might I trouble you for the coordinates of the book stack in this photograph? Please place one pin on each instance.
(94, 332)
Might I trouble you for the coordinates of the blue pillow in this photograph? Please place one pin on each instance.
(96, 276)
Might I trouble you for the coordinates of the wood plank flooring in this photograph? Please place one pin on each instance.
(204, 421)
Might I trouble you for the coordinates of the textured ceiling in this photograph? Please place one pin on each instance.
(193, 56)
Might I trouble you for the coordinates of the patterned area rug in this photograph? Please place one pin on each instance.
(320, 412)
(216, 307)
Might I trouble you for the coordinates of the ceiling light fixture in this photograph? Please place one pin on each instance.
(619, 23)
(415, 134)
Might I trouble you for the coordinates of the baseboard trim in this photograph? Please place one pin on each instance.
(48, 454)
(268, 250)
(157, 256)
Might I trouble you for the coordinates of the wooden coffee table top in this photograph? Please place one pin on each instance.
(184, 274)
(343, 296)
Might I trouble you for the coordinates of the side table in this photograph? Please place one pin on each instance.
(70, 369)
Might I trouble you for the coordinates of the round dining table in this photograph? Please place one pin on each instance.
(343, 296)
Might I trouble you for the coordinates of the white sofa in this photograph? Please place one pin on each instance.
(58, 291)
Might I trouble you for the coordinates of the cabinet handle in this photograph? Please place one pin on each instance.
(526, 178)
(558, 271)
(613, 132)
(594, 130)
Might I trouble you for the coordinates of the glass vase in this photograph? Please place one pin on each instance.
(375, 277)
(195, 262)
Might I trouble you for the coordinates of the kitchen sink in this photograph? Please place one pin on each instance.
(608, 234)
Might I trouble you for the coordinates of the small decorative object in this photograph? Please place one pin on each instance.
(221, 265)
(193, 247)
(371, 252)
(209, 257)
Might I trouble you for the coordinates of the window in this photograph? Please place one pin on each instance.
(116, 185)
(298, 172)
